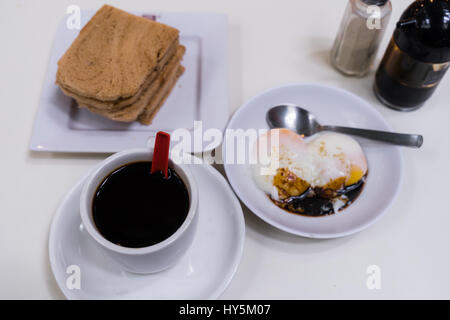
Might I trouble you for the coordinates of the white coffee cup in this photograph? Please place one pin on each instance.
(153, 258)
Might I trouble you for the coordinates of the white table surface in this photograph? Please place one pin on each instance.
(271, 43)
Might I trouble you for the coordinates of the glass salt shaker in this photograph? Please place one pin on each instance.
(359, 36)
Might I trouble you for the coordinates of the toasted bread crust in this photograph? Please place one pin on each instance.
(131, 112)
(152, 109)
(123, 102)
(113, 55)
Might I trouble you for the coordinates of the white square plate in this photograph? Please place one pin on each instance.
(201, 94)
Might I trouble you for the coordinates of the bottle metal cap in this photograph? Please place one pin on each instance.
(423, 31)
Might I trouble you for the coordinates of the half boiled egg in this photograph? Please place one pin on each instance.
(285, 164)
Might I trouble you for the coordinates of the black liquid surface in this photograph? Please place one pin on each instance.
(400, 95)
(404, 79)
(313, 204)
(134, 208)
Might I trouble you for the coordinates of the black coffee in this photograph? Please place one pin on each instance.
(134, 208)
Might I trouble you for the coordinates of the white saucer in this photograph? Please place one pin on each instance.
(202, 273)
(332, 106)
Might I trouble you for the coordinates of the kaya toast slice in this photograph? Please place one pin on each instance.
(131, 112)
(114, 54)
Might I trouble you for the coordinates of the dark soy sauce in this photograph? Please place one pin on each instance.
(312, 204)
(134, 208)
(418, 56)
(404, 83)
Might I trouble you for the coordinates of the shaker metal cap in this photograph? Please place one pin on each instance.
(375, 2)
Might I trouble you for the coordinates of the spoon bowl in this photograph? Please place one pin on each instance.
(293, 118)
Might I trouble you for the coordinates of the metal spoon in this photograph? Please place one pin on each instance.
(302, 121)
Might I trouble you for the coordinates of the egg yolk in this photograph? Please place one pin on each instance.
(356, 174)
(288, 184)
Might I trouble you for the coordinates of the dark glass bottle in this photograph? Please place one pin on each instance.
(417, 57)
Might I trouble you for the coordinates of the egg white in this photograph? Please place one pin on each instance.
(317, 160)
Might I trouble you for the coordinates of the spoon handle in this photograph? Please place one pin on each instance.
(401, 139)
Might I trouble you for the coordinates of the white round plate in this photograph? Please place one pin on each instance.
(203, 272)
(332, 106)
